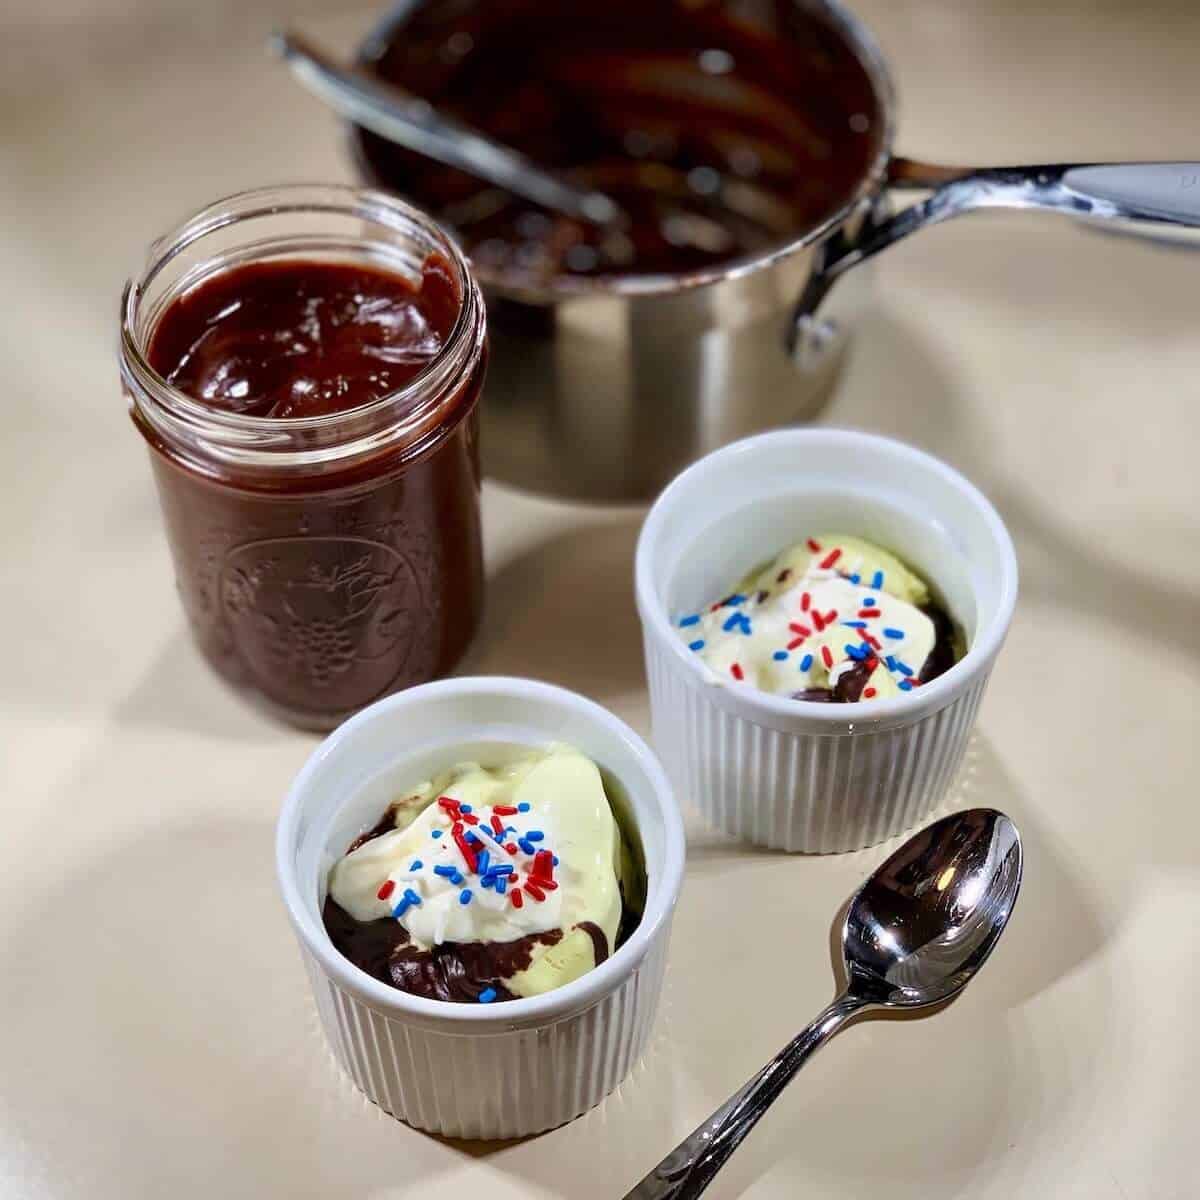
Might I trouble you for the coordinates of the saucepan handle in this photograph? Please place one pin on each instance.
(1150, 199)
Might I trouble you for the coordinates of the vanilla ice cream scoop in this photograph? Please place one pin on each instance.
(495, 882)
(833, 618)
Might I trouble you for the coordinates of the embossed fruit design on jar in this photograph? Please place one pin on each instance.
(305, 365)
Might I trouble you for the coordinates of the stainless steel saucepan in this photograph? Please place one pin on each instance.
(604, 392)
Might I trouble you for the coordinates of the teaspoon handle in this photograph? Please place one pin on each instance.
(690, 1167)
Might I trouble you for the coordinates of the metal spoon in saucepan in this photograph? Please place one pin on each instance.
(413, 123)
(915, 934)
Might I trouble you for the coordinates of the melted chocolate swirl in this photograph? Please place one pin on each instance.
(456, 971)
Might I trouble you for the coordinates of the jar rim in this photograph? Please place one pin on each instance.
(263, 441)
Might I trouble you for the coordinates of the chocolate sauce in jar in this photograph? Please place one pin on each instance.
(309, 396)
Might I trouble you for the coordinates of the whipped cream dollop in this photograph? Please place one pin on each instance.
(831, 618)
(495, 854)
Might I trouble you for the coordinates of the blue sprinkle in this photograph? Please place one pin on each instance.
(689, 621)
(510, 829)
(464, 808)
(698, 644)
(780, 655)
(481, 861)
(855, 624)
(858, 653)
(445, 872)
(737, 621)
(437, 833)
(890, 662)
(501, 884)
(487, 881)
(411, 896)
(501, 869)
(856, 578)
(734, 600)
(904, 685)
(877, 579)
(806, 662)
(415, 865)
(869, 602)
(556, 860)
(472, 838)
(525, 845)
(464, 897)
(535, 835)
(894, 634)
(401, 909)
(903, 668)
(487, 995)
(456, 878)
(523, 806)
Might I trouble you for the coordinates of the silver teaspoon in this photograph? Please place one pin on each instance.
(413, 123)
(915, 934)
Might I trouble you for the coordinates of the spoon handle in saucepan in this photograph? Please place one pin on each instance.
(409, 121)
(690, 1167)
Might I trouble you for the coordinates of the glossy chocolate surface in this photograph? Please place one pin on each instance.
(718, 133)
(303, 339)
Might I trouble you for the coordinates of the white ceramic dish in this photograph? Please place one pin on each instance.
(799, 775)
(479, 1071)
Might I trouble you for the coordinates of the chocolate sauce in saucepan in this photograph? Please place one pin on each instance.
(718, 133)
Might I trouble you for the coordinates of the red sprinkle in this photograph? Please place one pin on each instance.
(868, 612)
(830, 558)
(531, 886)
(449, 804)
(818, 621)
(389, 886)
(516, 897)
(831, 616)
(736, 671)
(468, 851)
(470, 818)
(795, 642)
(504, 810)
(805, 601)
(511, 847)
(826, 656)
(802, 630)
(497, 826)
(873, 642)
(543, 865)
(548, 884)
(814, 545)
(868, 693)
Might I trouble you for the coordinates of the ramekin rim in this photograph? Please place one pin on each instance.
(773, 709)
(550, 1007)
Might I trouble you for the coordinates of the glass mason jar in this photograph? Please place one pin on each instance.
(322, 561)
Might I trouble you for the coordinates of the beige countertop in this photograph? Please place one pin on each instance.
(157, 1036)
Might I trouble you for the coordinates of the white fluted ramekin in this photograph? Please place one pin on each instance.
(799, 775)
(468, 1070)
